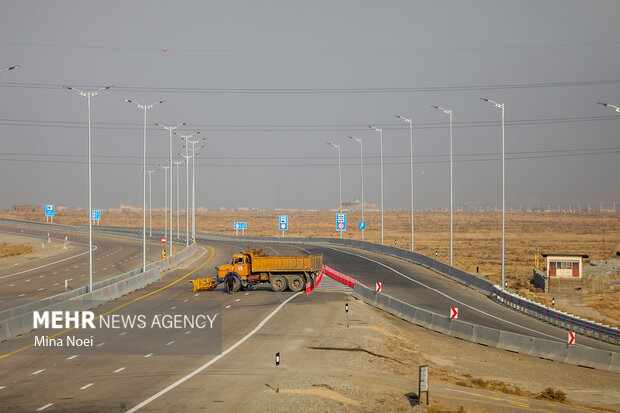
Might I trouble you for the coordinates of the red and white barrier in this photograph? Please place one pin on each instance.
(340, 277)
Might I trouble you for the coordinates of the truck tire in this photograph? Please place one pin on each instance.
(296, 283)
(278, 283)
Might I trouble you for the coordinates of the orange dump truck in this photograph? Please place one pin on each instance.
(253, 267)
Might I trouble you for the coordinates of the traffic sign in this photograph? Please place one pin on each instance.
(361, 225)
(454, 313)
(49, 210)
(241, 225)
(96, 214)
(571, 337)
(341, 222)
(163, 240)
(378, 287)
(283, 223)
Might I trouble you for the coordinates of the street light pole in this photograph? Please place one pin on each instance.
(501, 106)
(165, 168)
(194, 185)
(381, 144)
(449, 112)
(617, 109)
(186, 137)
(362, 175)
(9, 68)
(177, 163)
(170, 128)
(145, 108)
(87, 95)
(410, 122)
(339, 177)
(150, 203)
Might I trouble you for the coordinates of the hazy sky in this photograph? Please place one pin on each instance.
(269, 83)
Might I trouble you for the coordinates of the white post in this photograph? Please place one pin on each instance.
(381, 146)
(410, 122)
(449, 112)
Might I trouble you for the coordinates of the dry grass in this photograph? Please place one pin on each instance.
(14, 250)
(492, 385)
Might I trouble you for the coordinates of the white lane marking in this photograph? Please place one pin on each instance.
(123, 333)
(238, 299)
(197, 294)
(186, 300)
(27, 281)
(83, 275)
(75, 266)
(227, 306)
(188, 332)
(71, 358)
(66, 269)
(247, 293)
(56, 284)
(38, 371)
(213, 360)
(45, 407)
(87, 386)
(172, 342)
(11, 285)
(100, 344)
(149, 355)
(172, 308)
(40, 289)
(41, 276)
(119, 370)
(54, 273)
(70, 279)
(2, 387)
(449, 297)
(103, 269)
(21, 295)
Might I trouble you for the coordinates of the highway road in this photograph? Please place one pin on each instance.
(255, 324)
(28, 280)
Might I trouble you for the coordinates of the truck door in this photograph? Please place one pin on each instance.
(240, 266)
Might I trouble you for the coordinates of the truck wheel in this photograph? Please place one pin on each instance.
(278, 283)
(296, 283)
(237, 281)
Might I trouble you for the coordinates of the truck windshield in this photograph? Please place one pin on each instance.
(238, 261)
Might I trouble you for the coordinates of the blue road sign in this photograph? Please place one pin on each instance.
(341, 222)
(241, 225)
(96, 214)
(362, 225)
(283, 223)
(49, 210)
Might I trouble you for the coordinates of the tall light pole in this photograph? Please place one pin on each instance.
(87, 95)
(187, 157)
(410, 122)
(339, 177)
(194, 185)
(145, 108)
(610, 106)
(381, 145)
(449, 112)
(362, 175)
(9, 68)
(501, 106)
(150, 202)
(170, 128)
(177, 163)
(165, 168)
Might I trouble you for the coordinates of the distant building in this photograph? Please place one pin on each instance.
(23, 209)
(357, 205)
(564, 265)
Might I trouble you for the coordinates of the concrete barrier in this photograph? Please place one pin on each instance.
(588, 357)
(441, 324)
(551, 350)
(486, 336)
(516, 343)
(462, 330)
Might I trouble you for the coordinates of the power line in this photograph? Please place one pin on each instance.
(322, 165)
(301, 127)
(199, 90)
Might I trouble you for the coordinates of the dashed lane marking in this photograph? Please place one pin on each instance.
(71, 358)
(227, 306)
(149, 355)
(119, 370)
(44, 407)
(87, 386)
(37, 372)
(172, 342)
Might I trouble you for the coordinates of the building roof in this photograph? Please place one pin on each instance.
(566, 255)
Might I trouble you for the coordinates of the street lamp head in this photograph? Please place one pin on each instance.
(447, 111)
(497, 105)
(14, 67)
(67, 87)
(129, 101)
(403, 118)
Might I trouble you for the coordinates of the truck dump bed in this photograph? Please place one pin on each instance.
(302, 263)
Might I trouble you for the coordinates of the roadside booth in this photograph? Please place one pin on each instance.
(564, 265)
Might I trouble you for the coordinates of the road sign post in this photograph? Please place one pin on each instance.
(346, 310)
(423, 383)
(278, 372)
(49, 212)
(454, 313)
(283, 225)
(341, 222)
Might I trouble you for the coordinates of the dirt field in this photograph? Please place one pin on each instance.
(373, 366)
(477, 241)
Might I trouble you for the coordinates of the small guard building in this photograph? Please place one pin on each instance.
(564, 265)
